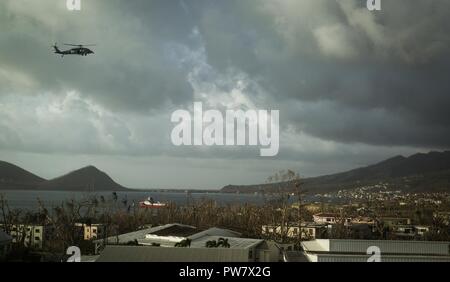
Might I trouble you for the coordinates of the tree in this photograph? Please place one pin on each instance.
(289, 183)
(221, 242)
(184, 243)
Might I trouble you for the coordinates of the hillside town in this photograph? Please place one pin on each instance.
(278, 231)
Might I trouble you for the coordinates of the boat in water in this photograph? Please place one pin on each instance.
(151, 204)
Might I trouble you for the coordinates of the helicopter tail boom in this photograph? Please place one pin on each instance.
(57, 51)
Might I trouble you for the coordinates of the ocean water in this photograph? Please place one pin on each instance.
(28, 200)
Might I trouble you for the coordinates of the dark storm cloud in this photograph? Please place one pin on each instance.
(381, 78)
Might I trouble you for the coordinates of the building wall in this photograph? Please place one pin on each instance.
(91, 231)
(324, 220)
(384, 258)
(34, 235)
(113, 253)
(399, 247)
(308, 232)
(94, 231)
(390, 251)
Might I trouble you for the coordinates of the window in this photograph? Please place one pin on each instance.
(295, 231)
(37, 230)
(250, 254)
(37, 238)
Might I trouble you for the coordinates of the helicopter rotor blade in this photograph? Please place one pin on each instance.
(79, 45)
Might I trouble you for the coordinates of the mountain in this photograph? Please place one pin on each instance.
(14, 177)
(418, 173)
(85, 179)
(88, 178)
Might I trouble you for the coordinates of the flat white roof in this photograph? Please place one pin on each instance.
(137, 235)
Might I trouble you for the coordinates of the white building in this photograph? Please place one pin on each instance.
(325, 218)
(308, 230)
(159, 244)
(31, 235)
(92, 231)
(421, 230)
(329, 218)
(324, 250)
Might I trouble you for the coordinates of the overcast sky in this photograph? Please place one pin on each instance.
(353, 87)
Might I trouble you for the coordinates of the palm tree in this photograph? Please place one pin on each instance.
(184, 243)
(211, 244)
(223, 242)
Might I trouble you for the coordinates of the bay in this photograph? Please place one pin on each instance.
(28, 200)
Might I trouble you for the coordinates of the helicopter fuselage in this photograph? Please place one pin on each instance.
(82, 51)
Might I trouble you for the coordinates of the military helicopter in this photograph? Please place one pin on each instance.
(80, 50)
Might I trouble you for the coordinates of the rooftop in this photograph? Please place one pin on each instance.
(140, 234)
(235, 243)
(169, 234)
(214, 231)
(176, 230)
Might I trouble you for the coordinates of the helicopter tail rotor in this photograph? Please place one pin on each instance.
(56, 48)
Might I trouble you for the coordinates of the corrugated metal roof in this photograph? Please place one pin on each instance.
(314, 246)
(137, 235)
(235, 243)
(295, 256)
(170, 240)
(176, 230)
(214, 231)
